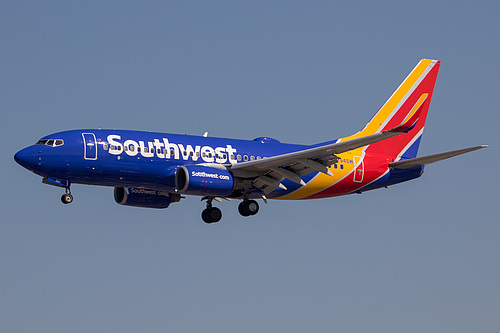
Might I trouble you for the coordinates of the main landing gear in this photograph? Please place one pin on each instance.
(213, 214)
(67, 198)
(248, 207)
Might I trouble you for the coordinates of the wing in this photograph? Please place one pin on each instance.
(267, 173)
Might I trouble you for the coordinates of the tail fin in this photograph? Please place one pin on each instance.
(410, 101)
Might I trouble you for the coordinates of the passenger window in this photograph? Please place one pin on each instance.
(238, 157)
(335, 166)
(105, 146)
(245, 158)
(252, 158)
(191, 154)
(132, 148)
(258, 157)
(197, 154)
(342, 166)
(125, 148)
(232, 157)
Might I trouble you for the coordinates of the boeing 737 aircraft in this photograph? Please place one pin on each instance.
(155, 169)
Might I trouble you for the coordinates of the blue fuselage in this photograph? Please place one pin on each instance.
(123, 158)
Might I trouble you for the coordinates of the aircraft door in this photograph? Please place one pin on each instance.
(359, 169)
(89, 146)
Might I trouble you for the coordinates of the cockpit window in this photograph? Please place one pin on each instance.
(51, 142)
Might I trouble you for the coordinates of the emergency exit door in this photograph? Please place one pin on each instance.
(89, 146)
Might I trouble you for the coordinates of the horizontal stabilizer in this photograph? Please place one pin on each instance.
(424, 160)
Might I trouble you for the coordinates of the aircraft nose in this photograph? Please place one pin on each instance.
(26, 157)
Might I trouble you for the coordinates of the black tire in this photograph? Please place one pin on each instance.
(211, 215)
(205, 217)
(248, 207)
(66, 198)
(214, 214)
(253, 207)
(242, 209)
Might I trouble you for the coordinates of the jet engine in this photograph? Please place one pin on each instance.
(204, 180)
(138, 197)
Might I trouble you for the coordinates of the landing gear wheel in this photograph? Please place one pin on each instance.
(211, 215)
(204, 216)
(67, 198)
(248, 207)
(242, 209)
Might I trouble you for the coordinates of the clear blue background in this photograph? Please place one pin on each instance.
(418, 257)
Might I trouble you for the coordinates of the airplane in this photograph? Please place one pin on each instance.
(154, 170)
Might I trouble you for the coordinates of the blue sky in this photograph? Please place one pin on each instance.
(421, 256)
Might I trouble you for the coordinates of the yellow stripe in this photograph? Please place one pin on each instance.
(323, 181)
(417, 105)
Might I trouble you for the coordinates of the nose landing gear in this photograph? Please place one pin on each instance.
(67, 197)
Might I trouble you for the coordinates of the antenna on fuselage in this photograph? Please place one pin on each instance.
(205, 134)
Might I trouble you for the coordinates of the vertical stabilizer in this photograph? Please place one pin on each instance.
(411, 98)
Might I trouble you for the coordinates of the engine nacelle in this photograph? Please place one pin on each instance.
(204, 180)
(138, 197)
